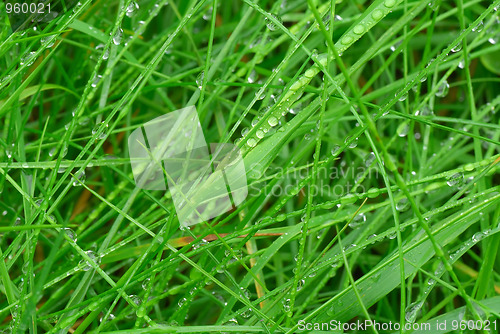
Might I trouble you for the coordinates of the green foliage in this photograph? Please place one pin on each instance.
(370, 134)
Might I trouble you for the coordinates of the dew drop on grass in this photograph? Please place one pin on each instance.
(346, 248)
(251, 142)
(455, 180)
(96, 80)
(132, 8)
(70, 233)
(260, 134)
(395, 46)
(358, 221)
(443, 89)
(208, 14)
(260, 95)
(424, 111)
(135, 299)
(244, 131)
(270, 24)
(402, 97)
(300, 284)
(86, 266)
(252, 77)
(403, 205)
(457, 47)
(353, 144)
(117, 38)
(199, 79)
(335, 150)
(346, 40)
(286, 304)
(494, 39)
(461, 64)
(479, 236)
(272, 121)
(372, 237)
(479, 27)
(247, 313)
(412, 312)
(96, 129)
(244, 292)
(370, 157)
(390, 3)
(359, 29)
(181, 302)
(403, 129)
(48, 41)
(145, 283)
(81, 178)
(377, 14)
(28, 59)
(231, 322)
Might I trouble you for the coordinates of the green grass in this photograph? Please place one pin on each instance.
(370, 132)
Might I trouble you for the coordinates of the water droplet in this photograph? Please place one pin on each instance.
(359, 29)
(457, 47)
(199, 79)
(260, 95)
(251, 142)
(231, 322)
(135, 299)
(412, 312)
(335, 150)
(247, 313)
(80, 177)
(478, 236)
(479, 27)
(402, 97)
(48, 41)
(117, 38)
(377, 14)
(369, 159)
(96, 80)
(353, 144)
(132, 8)
(390, 3)
(443, 89)
(358, 221)
(96, 129)
(346, 248)
(244, 293)
(403, 129)
(252, 77)
(403, 205)
(270, 24)
(272, 121)
(208, 14)
(300, 284)
(28, 59)
(259, 134)
(346, 40)
(286, 304)
(86, 266)
(181, 302)
(70, 233)
(455, 180)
